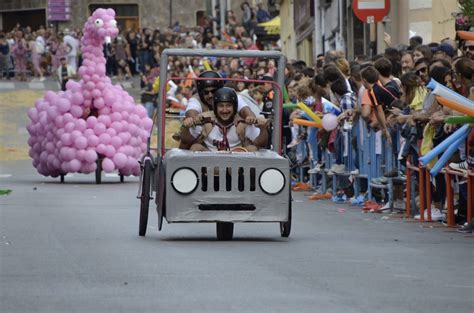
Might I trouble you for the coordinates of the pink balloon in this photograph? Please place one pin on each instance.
(104, 119)
(116, 141)
(105, 111)
(33, 114)
(63, 105)
(90, 156)
(120, 160)
(92, 141)
(109, 151)
(107, 165)
(99, 102)
(101, 148)
(59, 121)
(117, 126)
(76, 111)
(91, 121)
(112, 132)
(74, 165)
(66, 139)
(81, 124)
(104, 138)
(88, 132)
(99, 129)
(80, 142)
(116, 117)
(77, 98)
(96, 93)
(81, 154)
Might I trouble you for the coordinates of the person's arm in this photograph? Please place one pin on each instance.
(382, 123)
(262, 139)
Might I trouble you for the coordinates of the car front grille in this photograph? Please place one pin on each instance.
(236, 179)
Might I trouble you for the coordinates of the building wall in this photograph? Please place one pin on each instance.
(430, 19)
(152, 13)
(287, 35)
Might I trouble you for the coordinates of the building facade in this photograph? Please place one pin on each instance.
(316, 26)
(130, 13)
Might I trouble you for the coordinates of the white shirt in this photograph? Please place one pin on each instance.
(73, 43)
(251, 132)
(195, 104)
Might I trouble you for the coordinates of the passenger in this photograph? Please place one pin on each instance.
(203, 102)
(225, 130)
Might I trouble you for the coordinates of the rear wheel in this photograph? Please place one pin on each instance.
(98, 172)
(224, 230)
(145, 198)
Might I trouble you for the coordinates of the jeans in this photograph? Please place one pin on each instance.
(150, 108)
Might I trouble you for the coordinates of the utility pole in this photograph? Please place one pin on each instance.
(171, 13)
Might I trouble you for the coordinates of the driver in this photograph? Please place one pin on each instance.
(203, 102)
(225, 130)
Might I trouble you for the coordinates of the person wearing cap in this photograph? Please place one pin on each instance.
(444, 51)
(224, 130)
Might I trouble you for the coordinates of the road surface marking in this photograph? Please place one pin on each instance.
(5, 175)
(111, 175)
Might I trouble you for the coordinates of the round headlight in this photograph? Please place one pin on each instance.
(272, 181)
(184, 180)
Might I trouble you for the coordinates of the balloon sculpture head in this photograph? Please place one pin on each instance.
(102, 26)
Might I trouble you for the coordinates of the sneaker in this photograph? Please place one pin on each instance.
(459, 167)
(466, 228)
(316, 169)
(436, 215)
(293, 143)
(355, 172)
(338, 168)
(42, 79)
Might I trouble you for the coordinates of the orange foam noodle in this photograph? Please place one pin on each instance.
(455, 106)
(466, 35)
(303, 122)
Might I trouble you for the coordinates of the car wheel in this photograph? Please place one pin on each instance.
(145, 198)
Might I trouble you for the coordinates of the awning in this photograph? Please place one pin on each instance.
(272, 27)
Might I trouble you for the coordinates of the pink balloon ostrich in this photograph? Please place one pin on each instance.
(69, 130)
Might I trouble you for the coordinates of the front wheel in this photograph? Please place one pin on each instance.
(145, 198)
(285, 227)
(224, 230)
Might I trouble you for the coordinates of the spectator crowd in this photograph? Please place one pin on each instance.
(385, 93)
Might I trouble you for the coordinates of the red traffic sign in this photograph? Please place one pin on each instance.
(370, 11)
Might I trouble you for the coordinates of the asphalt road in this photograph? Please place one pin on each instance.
(74, 247)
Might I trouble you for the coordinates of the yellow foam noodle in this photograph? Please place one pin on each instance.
(206, 64)
(308, 111)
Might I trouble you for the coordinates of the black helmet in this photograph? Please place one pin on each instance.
(201, 84)
(225, 94)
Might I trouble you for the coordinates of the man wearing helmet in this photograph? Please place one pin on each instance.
(204, 103)
(225, 130)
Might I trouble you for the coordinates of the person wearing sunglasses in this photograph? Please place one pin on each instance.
(204, 102)
(468, 49)
(421, 69)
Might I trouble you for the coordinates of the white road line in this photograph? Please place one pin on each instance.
(69, 175)
(5, 175)
(459, 286)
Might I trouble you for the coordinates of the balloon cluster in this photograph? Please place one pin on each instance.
(93, 119)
